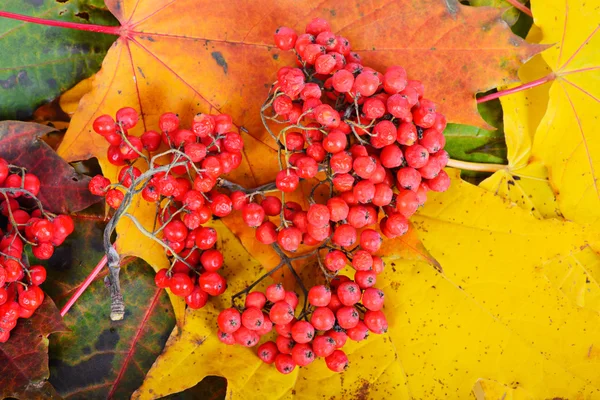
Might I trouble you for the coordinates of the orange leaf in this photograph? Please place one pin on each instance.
(170, 58)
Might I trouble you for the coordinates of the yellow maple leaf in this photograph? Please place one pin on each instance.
(493, 315)
(566, 140)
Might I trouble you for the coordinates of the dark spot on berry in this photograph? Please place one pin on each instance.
(218, 57)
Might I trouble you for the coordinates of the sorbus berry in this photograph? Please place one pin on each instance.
(337, 361)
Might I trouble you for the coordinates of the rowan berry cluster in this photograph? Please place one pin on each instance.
(182, 167)
(378, 145)
(24, 222)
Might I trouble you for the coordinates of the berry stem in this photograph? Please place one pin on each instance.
(88, 280)
(525, 86)
(109, 30)
(521, 7)
(471, 166)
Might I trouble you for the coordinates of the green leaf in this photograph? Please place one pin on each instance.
(469, 143)
(99, 357)
(39, 62)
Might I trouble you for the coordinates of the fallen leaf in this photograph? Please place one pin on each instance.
(565, 140)
(55, 59)
(62, 190)
(24, 358)
(492, 306)
(99, 358)
(525, 180)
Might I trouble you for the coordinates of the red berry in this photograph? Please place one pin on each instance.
(252, 318)
(197, 299)
(275, 292)
(344, 235)
(267, 233)
(206, 238)
(212, 283)
(226, 338)
(373, 299)
(253, 215)
(302, 354)
(281, 313)
(246, 337)
(285, 344)
(376, 321)
(289, 238)
(337, 361)
(349, 292)
(347, 317)
(287, 180)
(335, 260)
(181, 285)
(268, 352)
(322, 318)
(229, 320)
(440, 183)
(255, 299)
(319, 296)
(104, 125)
(284, 363)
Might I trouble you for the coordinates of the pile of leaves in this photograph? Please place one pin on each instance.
(494, 290)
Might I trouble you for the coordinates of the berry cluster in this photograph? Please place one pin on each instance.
(182, 170)
(378, 145)
(20, 225)
(341, 310)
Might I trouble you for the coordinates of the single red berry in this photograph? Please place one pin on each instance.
(175, 231)
(335, 260)
(206, 238)
(302, 354)
(266, 233)
(337, 361)
(365, 279)
(287, 180)
(226, 338)
(281, 313)
(376, 321)
(252, 318)
(181, 284)
(289, 238)
(104, 125)
(322, 318)
(256, 299)
(319, 296)
(284, 363)
(212, 283)
(323, 346)
(285, 38)
(114, 198)
(246, 337)
(440, 183)
(373, 299)
(197, 299)
(162, 279)
(303, 332)
(359, 332)
(334, 142)
(253, 215)
(344, 235)
(347, 317)
(267, 352)
(349, 292)
(229, 320)
(407, 202)
(211, 260)
(275, 292)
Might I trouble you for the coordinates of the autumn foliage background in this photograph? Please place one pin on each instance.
(492, 294)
